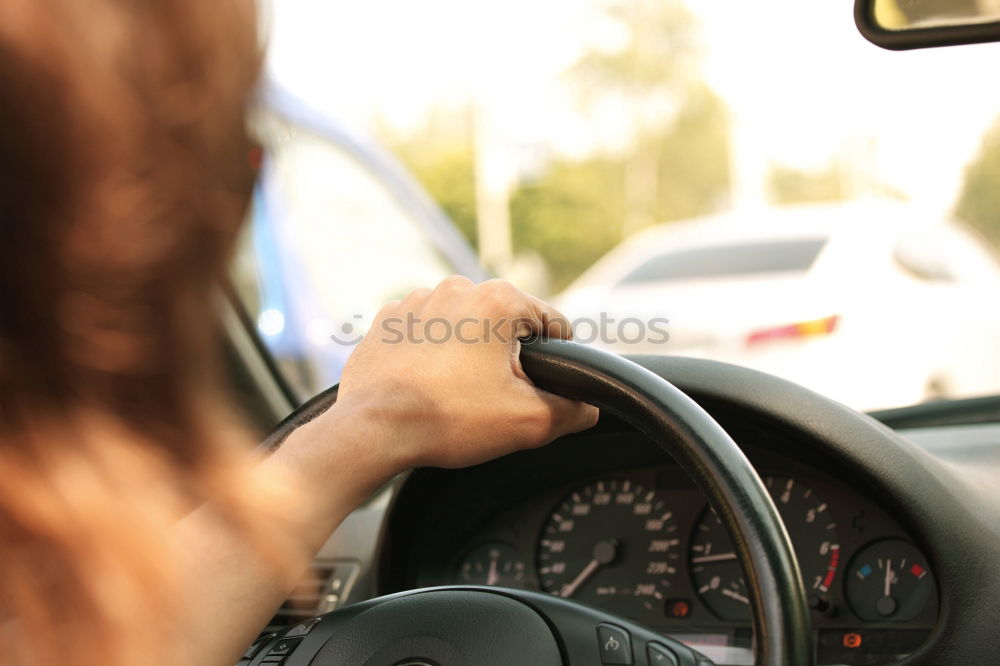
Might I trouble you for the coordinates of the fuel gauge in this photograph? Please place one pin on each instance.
(889, 581)
(492, 564)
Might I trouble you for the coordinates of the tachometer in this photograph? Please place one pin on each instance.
(612, 544)
(718, 577)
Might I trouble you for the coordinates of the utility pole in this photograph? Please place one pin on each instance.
(495, 171)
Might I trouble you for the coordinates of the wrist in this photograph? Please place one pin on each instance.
(344, 455)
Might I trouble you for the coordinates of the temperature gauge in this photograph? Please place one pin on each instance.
(889, 581)
(492, 564)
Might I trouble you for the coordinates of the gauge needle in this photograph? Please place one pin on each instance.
(604, 553)
(888, 578)
(493, 576)
(721, 557)
(736, 596)
(588, 571)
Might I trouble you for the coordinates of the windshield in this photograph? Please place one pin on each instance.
(792, 200)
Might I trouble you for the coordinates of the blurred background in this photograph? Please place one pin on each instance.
(781, 193)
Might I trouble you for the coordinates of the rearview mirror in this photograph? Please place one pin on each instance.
(915, 24)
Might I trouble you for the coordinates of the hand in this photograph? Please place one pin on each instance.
(438, 379)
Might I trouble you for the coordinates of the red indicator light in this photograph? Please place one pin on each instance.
(852, 641)
(679, 608)
(917, 570)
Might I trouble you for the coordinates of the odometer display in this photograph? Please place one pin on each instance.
(612, 544)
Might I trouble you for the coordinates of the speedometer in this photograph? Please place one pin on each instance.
(612, 544)
(717, 575)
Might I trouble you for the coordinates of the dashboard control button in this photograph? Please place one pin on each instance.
(660, 655)
(615, 645)
(302, 628)
(284, 646)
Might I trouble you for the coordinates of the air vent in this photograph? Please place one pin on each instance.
(323, 589)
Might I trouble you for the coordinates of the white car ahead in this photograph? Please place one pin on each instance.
(865, 302)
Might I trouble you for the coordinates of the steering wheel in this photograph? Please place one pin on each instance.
(480, 626)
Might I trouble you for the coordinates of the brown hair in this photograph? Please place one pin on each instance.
(123, 180)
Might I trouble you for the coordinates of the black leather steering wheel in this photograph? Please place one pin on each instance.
(470, 626)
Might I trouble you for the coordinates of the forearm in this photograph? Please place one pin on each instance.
(234, 587)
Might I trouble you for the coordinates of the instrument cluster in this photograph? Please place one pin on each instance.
(645, 544)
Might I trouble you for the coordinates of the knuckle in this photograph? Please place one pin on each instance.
(501, 286)
(455, 281)
(500, 293)
(418, 294)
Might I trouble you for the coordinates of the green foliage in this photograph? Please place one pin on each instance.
(658, 56)
(449, 177)
(571, 216)
(694, 159)
(573, 212)
(979, 202)
(792, 186)
(443, 158)
(655, 70)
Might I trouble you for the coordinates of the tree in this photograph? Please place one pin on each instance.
(575, 210)
(979, 201)
(694, 171)
(442, 156)
(652, 71)
(571, 215)
(792, 186)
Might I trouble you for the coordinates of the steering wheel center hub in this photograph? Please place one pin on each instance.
(453, 628)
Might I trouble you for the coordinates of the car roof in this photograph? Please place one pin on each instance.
(793, 221)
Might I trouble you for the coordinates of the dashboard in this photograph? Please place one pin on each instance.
(897, 532)
(642, 542)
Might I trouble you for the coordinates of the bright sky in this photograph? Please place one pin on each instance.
(799, 80)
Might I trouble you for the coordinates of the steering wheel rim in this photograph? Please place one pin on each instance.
(703, 449)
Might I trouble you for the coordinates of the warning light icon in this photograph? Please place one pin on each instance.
(678, 608)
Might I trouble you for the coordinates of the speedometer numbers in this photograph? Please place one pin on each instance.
(718, 578)
(612, 544)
